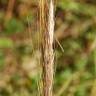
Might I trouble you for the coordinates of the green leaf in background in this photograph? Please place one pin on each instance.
(91, 35)
(24, 50)
(80, 62)
(81, 90)
(86, 76)
(1, 16)
(75, 45)
(6, 43)
(64, 75)
(13, 26)
(94, 59)
(65, 4)
(2, 59)
(78, 7)
(71, 47)
(29, 18)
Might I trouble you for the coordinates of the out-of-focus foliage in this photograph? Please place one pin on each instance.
(75, 29)
(13, 25)
(6, 43)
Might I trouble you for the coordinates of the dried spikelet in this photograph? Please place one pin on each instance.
(47, 30)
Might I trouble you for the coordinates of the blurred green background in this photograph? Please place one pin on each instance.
(75, 30)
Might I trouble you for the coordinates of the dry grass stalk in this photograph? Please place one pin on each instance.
(47, 30)
(10, 8)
